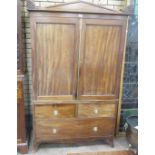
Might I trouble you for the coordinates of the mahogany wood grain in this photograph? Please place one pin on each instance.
(97, 110)
(47, 102)
(55, 111)
(55, 57)
(55, 98)
(99, 60)
(123, 152)
(73, 128)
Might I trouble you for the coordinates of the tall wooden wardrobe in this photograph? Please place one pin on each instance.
(77, 68)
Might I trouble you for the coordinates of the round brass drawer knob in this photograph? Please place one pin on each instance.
(95, 129)
(55, 112)
(96, 111)
(54, 131)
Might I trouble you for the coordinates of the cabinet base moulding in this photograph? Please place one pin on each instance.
(106, 140)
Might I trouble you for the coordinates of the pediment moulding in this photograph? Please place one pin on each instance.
(77, 7)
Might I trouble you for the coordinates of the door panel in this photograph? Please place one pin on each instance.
(100, 60)
(56, 47)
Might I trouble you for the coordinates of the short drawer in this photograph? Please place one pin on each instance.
(55, 111)
(74, 128)
(96, 110)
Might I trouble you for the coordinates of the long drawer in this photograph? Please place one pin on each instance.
(102, 109)
(55, 111)
(47, 130)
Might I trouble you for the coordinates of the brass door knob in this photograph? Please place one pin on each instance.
(96, 111)
(95, 128)
(55, 112)
(54, 131)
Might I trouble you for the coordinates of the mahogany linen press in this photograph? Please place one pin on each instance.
(78, 52)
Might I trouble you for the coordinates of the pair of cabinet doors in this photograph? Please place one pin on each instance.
(76, 57)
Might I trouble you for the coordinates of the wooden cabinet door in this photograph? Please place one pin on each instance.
(101, 56)
(54, 57)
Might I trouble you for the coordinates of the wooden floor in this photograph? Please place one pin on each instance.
(106, 153)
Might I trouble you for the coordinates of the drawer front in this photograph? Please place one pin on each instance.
(19, 90)
(55, 111)
(52, 129)
(96, 110)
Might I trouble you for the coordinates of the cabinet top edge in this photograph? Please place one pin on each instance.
(76, 7)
